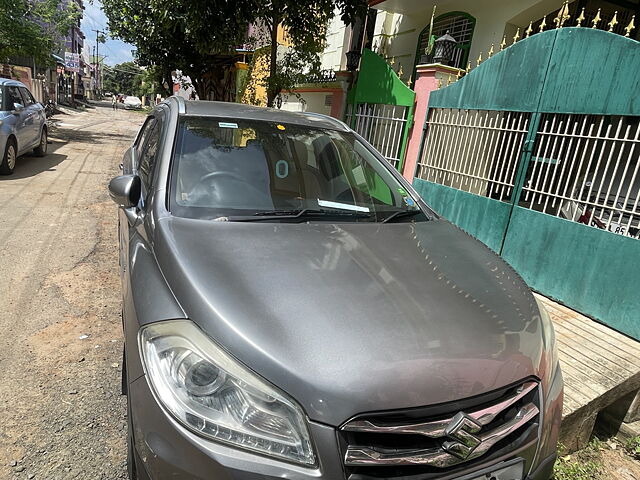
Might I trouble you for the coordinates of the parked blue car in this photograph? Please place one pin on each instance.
(23, 124)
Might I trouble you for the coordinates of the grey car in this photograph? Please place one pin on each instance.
(293, 309)
(23, 124)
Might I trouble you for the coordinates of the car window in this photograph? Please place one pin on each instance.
(27, 97)
(246, 167)
(144, 133)
(148, 155)
(13, 97)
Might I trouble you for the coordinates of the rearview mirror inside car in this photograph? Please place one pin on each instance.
(125, 190)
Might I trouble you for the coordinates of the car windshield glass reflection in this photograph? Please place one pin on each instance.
(233, 169)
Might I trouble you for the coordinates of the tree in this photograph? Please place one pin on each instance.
(196, 37)
(35, 29)
(199, 37)
(303, 23)
(125, 78)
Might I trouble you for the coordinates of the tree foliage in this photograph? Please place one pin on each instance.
(35, 28)
(125, 78)
(199, 37)
(192, 36)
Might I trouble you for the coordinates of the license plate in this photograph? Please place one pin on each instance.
(513, 470)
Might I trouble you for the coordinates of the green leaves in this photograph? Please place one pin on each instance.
(35, 29)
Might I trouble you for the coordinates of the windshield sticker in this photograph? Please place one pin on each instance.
(227, 125)
(281, 127)
(343, 206)
(409, 201)
(282, 169)
(402, 192)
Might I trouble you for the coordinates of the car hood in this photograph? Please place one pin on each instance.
(355, 317)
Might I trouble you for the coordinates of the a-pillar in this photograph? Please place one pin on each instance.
(428, 78)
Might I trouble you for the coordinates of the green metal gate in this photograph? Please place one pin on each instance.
(380, 108)
(536, 152)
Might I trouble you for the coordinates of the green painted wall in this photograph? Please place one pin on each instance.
(590, 270)
(378, 83)
(482, 217)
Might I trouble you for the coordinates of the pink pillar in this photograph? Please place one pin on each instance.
(339, 100)
(427, 77)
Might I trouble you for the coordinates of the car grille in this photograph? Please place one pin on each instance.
(433, 441)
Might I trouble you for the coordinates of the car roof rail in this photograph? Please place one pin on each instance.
(334, 120)
(182, 108)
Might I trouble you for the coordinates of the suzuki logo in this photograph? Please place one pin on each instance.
(461, 429)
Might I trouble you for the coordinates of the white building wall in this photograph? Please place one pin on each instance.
(400, 22)
(337, 43)
(309, 102)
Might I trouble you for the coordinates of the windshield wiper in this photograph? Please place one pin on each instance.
(401, 214)
(295, 214)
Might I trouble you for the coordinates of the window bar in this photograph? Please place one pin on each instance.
(441, 140)
(560, 179)
(500, 172)
(505, 164)
(580, 138)
(452, 133)
(487, 158)
(461, 147)
(449, 132)
(492, 175)
(596, 143)
(542, 178)
(599, 191)
(529, 186)
(476, 138)
(613, 177)
(546, 139)
(558, 158)
(633, 179)
(430, 140)
(516, 155)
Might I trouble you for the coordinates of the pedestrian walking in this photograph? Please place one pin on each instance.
(114, 102)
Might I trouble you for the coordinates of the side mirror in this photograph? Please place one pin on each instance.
(125, 190)
(17, 108)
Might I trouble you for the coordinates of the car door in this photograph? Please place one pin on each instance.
(21, 130)
(131, 166)
(33, 119)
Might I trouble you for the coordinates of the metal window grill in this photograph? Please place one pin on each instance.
(585, 168)
(382, 126)
(476, 151)
(460, 27)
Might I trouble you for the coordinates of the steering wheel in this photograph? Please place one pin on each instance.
(249, 192)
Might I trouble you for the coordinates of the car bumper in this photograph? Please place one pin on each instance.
(165, 449)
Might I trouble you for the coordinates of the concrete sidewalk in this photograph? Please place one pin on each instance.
(601, 369)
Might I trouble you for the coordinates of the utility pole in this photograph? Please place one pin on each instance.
(98, 32)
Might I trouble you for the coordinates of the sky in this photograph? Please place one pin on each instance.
(115, 50)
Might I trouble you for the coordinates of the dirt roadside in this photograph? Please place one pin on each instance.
(60, 331)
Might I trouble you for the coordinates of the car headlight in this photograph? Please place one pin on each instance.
(549, 362)
(214, 396)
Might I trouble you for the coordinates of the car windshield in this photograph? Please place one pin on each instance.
(231, 169)
(2, 99)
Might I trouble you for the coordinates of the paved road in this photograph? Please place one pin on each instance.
(60, 409)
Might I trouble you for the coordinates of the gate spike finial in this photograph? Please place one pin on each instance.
(393, 61)
(468, 67)
(458, 74)
(543, 23)
(410, 81)
(580, 19)
(516, 37)
(449, 81)
(596, 19)
(491, 50)
(613, 22)
(439, 84)
(479, 61)
(563, 15)
(629, 28)
(503, 43)
(400, 71)
(529, 30)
